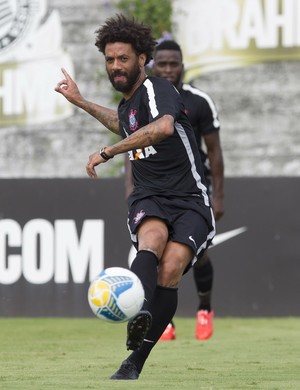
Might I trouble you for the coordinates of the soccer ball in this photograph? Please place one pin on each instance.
(116, 295)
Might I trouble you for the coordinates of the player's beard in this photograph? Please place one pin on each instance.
(176, 81)
(131, 79)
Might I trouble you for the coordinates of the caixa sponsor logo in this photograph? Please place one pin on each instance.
(42, 251)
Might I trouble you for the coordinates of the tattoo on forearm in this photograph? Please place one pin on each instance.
(110, 121)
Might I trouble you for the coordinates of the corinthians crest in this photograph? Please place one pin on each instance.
(17, 19)
(133, 123)
(30, 44)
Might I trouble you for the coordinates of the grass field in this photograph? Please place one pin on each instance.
(63, 354)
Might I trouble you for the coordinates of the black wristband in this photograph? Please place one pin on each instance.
(104, 155)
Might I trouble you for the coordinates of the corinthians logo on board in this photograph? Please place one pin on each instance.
(30, 51)
(221, 34)
(15, 19)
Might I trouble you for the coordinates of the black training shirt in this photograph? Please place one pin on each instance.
(173, 166)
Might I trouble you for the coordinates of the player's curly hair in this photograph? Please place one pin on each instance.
(121, 29)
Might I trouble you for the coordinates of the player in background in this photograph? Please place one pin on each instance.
(170, 218)
(202, 113)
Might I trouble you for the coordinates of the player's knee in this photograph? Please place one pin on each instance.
(153, 239)
(169, 274)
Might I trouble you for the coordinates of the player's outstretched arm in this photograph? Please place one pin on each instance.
(69, 89)
(148, 135)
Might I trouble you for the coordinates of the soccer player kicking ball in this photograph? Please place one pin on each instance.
(202, 113)
(170, 218)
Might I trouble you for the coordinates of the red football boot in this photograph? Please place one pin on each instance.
(204, 324)
(169, 333)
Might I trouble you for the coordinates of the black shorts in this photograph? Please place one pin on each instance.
(189, 221)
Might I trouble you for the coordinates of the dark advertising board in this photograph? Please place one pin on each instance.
(57, 234)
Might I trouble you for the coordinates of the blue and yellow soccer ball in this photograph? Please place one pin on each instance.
(116, 295)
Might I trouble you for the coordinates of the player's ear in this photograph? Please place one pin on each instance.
(142, 60)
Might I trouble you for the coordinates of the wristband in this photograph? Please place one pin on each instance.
(104, 155)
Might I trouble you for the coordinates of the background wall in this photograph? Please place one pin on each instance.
(259, 118)
(60, 148)
(258, 106)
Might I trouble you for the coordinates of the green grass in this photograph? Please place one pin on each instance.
(81, 354)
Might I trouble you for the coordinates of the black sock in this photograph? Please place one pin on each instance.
(162, 307)
(145, 267)
(203, 277)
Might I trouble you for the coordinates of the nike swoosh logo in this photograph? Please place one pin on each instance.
(191, 238)
(222, 237)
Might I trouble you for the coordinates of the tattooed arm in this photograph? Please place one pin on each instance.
(69, 89)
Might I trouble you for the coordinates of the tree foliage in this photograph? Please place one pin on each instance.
(156, 13)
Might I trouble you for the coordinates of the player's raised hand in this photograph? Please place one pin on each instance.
(68, 88)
